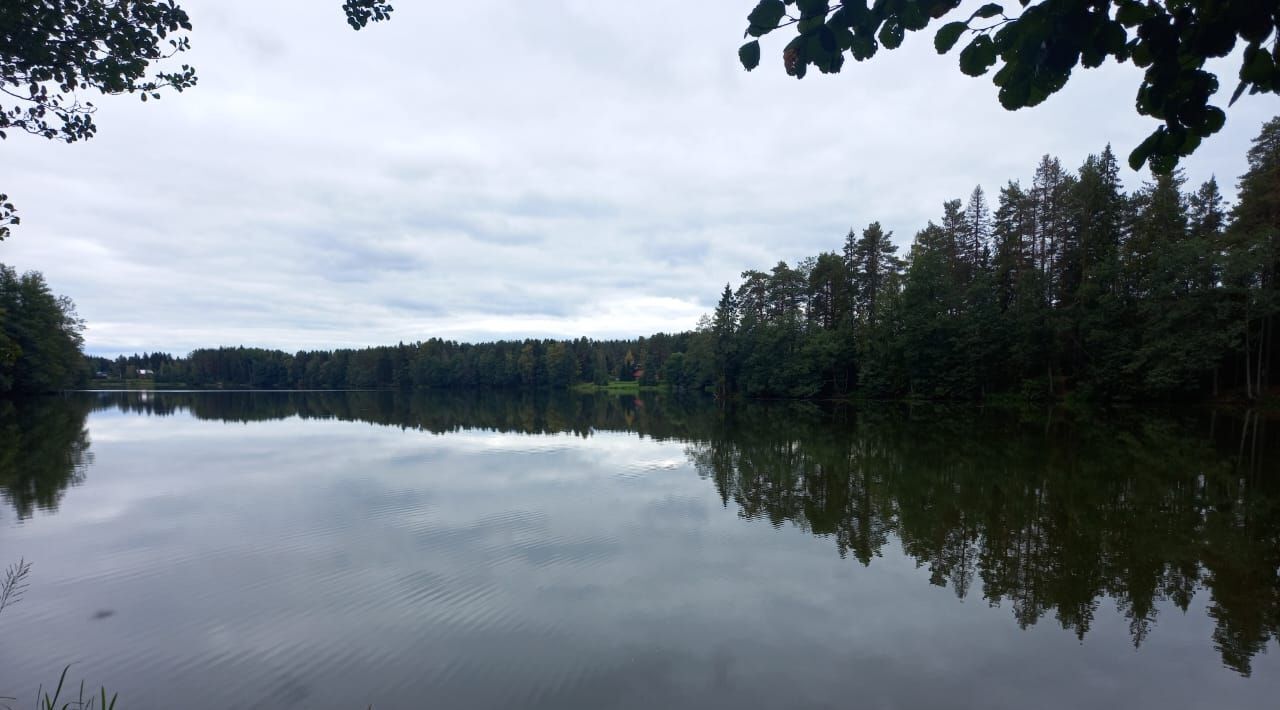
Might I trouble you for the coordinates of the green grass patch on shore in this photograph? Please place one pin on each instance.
(617, 386)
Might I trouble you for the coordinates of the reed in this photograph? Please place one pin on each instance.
(11, 591)
(14, 584)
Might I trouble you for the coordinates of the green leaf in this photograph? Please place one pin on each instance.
(827, 40)
(1214, 120)
(1114, 38)
(1237, 93)
(978, 57)
(765, 17)
(863, 45)
(1257, 66)
(989, 10)
(1162, 163)
(812, 7)
(1140, 53)
(1014, 93)
(948, 35)
(1189, 144)
(827, 61)
(749, 55)
(1143, 151)
(911, 17)
(1131, 12)
(844, 38)
(809, 24)
(891, 35)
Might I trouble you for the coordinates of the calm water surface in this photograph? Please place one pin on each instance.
(332, 550)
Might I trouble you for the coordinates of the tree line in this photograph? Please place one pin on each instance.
(1064, 285)
(1067, 285)
(430, 364)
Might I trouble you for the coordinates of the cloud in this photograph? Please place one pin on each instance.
(480, 170)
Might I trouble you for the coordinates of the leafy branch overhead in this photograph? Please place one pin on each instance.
(8, 216)
(1034, 46)
(362, 12)
(52, 50)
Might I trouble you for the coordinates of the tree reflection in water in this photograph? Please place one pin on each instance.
(1044, 512)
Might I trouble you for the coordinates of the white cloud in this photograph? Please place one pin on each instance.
(488, 169)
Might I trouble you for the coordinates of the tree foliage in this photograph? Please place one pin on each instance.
(50, 51)
(1034, 47)
(8, 216)
(1253, 263)
(1064, 286)
(40, 336)
(431, 364)
(53, 52)
(362, 12)
(1070, 286)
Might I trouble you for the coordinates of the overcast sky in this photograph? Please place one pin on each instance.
(480, 170)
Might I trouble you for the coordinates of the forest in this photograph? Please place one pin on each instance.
(1064, 286)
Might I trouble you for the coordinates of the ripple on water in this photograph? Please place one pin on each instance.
(575, 551)
(637, 470)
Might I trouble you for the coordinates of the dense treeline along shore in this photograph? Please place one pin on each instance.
(1048, 514)
(1064, 286)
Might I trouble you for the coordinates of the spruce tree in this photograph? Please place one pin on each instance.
(724, 326)
(977, 232)
(1255, 259)
(874, 260)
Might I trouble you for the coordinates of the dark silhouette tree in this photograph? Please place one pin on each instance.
(1035, 47)
(54, 51)
(40, 336)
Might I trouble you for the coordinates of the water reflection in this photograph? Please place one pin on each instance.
(1045, 513)
(44, 448)
(1049, 516)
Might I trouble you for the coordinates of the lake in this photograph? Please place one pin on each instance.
(336, 550)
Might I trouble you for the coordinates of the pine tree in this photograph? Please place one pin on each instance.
(1050, 190)
(931, 310)
(724, 327)
(1089, 317)
(829, 299)
(785, 288)
(954, 230)
(874, 261)
(1180, 339)
(1161, 220)
(751, 301)
(1207, 222)
(1255, 259)
(977, 232)
(1013, 229)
